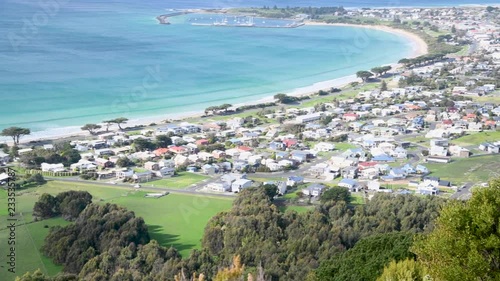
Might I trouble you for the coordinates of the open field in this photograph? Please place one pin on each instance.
(478, 138)
(174, 220)
(181, 181)
(474, 169)
(298, 209)
(29, 240)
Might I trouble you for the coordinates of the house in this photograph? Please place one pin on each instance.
(420, 169)
(161, 151)
(349, 117)
(294, 180)
(489, 147)
(290, 142)
(202, 142)
(300, 155)
(275, 145)
(209, 169)
(373, 185)
(400, 153)
(165, 172)
(426, 189)
(308, 117)
(350, 172)
(314, 190)
(350, 184)
(4, 157)
(438, 151)
(219, 186)
(24, 151)
(152, 166)
(324, 146)
(218, 154)
(408, 169)
(438, 159)
(124, 174)
(105, 163)
(46, 167)
(240, 184)
(231, 177)
(397, 174)
(83, 165)
(142, 177)
(383, 158)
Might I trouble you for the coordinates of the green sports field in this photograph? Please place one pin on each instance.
(174, 220)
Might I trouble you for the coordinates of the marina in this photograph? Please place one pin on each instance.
(242, 21)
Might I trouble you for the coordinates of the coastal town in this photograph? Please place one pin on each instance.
(401, 130)
(393, 169)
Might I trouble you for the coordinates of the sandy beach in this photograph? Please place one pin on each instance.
(419, 47)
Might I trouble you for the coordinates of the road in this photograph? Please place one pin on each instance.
(189, 191)
(463, 193)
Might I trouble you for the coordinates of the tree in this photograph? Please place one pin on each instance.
(465, 244)
(123, 162)
(225, 107)
(163, 141)
(490, 9)
(108, 123)
(15, 133)
(408, 269)
(91, 128)
(233, 273)
(142, 144)
(119, 121)
(364, 75)
(271, 190)
(46, 207)
(37, 178)
(282, 98)
(336, 194)
(383, 86)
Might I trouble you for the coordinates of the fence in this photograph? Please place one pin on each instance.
(52, 174)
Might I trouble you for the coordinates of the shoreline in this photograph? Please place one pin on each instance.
(419, 47)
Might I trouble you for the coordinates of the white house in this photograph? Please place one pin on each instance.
(373, 185)
(324, 146)
(240, 184)
(220, 186)
(314, 189)
(52, 167)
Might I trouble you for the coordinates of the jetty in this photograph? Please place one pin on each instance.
(162, 19)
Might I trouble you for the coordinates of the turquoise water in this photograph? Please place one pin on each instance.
(91, 64)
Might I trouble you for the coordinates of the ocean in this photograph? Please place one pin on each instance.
(73, 62)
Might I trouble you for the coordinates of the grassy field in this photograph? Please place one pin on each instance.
(181, 181)
(298, 209)
(474, 170)
(343, 146)
(174, 220)
(478, 138)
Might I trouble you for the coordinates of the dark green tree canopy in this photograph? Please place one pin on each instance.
(15, 133)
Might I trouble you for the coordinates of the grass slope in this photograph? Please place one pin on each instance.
(474, 169)
(478, 138)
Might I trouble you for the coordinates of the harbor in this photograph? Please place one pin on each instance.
(241, 21)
